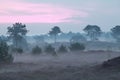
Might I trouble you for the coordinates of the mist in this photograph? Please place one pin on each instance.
(59, 40)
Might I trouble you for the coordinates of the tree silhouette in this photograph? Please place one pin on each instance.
(5, 57)
(116, 32)
(93, 31)
(17, 33)
(62, 49)
(54, 32)
(36, 50)
(77, 47)
(50, 49)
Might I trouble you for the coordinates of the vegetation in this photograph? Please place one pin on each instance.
(5, 57)
(50, 49)
(78, 38)
(19, 50)
(54, 32)
(17, 33)
(16, 50)
(93, 31)
(77, 47)
(114, 62)
(36, 50)
(62, 49)
(116, 33)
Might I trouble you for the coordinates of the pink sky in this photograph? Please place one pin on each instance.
(19, 11)
(70, 15)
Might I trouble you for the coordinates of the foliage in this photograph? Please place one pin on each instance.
(62, 49)
(116, 33)
(17, 50)
(77, 47)
(78, 38)
(4, 38)
(55, 31)
(5, 57)
(36, 50)
(93, 31)
(50, 49)
(17, 33)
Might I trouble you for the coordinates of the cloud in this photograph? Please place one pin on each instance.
(19, 11)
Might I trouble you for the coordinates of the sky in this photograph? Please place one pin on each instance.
(70, 15)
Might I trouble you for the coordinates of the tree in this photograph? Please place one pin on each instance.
(36, 50)
(4, 38)
(62, 49)
(50, 49)
(19, 50)
(17, 33)
(54, 32)
(93, 31)
(116, 32)
(5, 57)
(77, 47)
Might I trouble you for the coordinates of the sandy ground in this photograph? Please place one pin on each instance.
(69, 66)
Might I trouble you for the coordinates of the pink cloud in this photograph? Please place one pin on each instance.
(11, 11)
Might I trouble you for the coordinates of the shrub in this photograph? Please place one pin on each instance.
(5, 57)
(36, 50)
(62, 49)
(77, 47)
(17, 50)
(50, 49)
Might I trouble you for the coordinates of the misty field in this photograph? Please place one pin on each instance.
(59, 40)
(58, 55)
(70, 66)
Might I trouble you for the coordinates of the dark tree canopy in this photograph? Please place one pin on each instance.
(36, 50)
(93, 31)
(77, 46)
(116, 32)
(50, 50)
(55, 31)
(17, 29)
(62, 49)
(17, 33)
(5, 57)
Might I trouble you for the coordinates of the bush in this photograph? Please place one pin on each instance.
(62, 49)
(17, 50)
(50, 49)
(77, 47)
(36, 50)
(5, 57)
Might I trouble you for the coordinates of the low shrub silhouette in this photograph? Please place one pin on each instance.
(17, 50)
(5, 57)
(50, 49)
(77, 46)
(62, 49)
(36, 50)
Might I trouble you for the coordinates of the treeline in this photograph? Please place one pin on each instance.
(17, 42)
(91, 33)
(17, 34)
